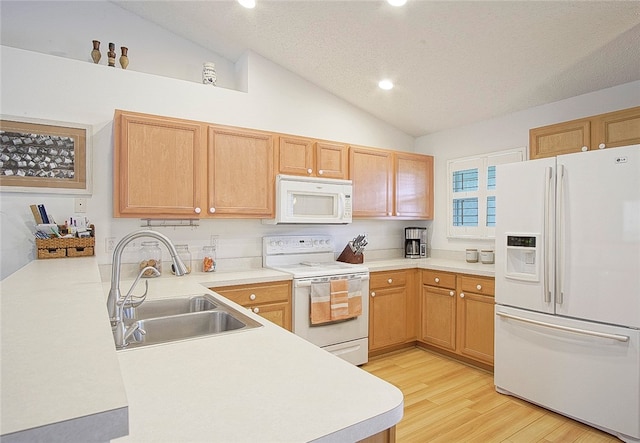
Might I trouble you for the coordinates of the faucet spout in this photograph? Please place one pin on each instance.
(114, 297)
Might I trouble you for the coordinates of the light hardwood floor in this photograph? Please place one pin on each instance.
(447, 401)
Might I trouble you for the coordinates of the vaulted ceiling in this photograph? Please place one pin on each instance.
(452, 62)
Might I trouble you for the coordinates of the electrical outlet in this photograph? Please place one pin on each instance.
(110, 244)
(80, 205)
(214, 241)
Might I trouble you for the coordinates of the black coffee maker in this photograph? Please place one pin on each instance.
(415, 242)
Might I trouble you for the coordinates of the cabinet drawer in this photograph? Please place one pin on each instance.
(247, 295)
(478, 285)
(387, 279)
(439, 279)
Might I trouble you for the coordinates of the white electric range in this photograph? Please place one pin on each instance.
(309, 259)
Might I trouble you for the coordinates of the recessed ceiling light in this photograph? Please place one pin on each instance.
(397, 2)
(249, 4)
(385, 84)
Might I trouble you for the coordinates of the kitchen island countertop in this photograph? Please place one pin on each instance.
(264, 384)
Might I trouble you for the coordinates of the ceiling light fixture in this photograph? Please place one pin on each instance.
(385, 84)
(397, 2)
(249, 4)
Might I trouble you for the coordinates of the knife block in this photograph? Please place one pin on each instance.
(347, 256)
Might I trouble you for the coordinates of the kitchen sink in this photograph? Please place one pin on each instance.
(171, 306)
(201, 317)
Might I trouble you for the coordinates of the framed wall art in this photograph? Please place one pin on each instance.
(44, 156)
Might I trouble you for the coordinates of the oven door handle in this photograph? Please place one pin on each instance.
(306, 282)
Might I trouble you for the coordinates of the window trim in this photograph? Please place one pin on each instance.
(482, 163)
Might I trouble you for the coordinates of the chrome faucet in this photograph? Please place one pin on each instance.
(115, 301)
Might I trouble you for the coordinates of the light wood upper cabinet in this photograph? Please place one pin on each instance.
(240, 177)
(610, 130)
(391, 184)
(414, 185)
(311, 158)
(158, 166)
(371, 171)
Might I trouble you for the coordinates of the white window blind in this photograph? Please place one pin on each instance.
(471, 193)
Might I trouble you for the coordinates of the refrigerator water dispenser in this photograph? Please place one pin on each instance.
(523, 257)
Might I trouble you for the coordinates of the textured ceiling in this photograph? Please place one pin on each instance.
(453, 62)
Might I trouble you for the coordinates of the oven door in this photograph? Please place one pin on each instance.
(327, 334)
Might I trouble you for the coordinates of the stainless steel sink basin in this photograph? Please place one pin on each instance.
(171, 306)
(196, 322)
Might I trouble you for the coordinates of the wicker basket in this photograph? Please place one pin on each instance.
(66, 247)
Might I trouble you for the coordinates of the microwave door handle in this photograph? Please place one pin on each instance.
(342, 205)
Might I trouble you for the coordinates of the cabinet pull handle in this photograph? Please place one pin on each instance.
(256, 310)
(390, 281)
(252, 297)
(479, 287)
(373, 294)
(602, 146)
(309, 171)
(584, 149)
(451, 293)
(212, 210)
(437, 280)
(197, 210)
(320, 172)
(462, 295)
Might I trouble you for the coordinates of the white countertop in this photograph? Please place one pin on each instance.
(437, 264)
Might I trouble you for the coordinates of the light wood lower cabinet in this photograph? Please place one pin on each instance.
(457, 314)
(269, 300)
(392, 310)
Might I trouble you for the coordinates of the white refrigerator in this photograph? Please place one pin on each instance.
(567, 324)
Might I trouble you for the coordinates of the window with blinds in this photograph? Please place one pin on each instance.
(471, 195)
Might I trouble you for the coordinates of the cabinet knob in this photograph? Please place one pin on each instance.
(197, 210)
(373, 294)
(584, 149)
(451, 293)
(390, 281)
(437, 280)
(602, 146)
(462, 295)
(320, 172)
(252, 297)
(256, 310)
(309, 171)
(212, 210)
(479, 287)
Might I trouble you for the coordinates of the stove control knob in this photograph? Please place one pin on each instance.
(280, 243)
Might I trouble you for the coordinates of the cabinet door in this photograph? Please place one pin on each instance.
(561, 138)
(158, 166)
(387, 317)
(616, 129)
(331, 160)
(475, 326)
(295, 156)
(278, 313)
(240, 177)
(438, 325)
(371, 171)
(414, 186)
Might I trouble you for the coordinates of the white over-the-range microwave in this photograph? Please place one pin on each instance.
(312, 200)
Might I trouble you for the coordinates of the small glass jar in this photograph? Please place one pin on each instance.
(185, 256)
(209, 259)
(150, 255)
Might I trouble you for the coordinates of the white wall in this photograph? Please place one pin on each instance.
(43, 86)
(506, 132)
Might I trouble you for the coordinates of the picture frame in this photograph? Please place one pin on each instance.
(45, 156)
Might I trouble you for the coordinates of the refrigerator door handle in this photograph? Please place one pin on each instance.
(560, 221)
(622, 338)
(546, 234)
